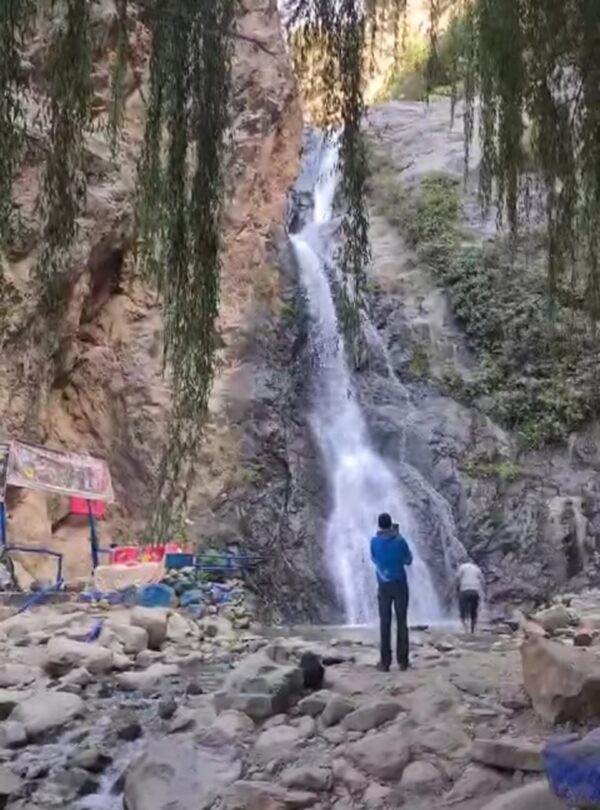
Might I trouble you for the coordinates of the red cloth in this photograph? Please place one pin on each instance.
(79, 506)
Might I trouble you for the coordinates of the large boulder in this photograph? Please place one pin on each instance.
(179, 773)
(384, 755)
(259, 686)
(47, 711)
(132, 638)
(154, 622)
(63, 655)
(555, 618)
(562, 681)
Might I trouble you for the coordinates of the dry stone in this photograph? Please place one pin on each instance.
(372, 715)
(536, 796)
(277, 743)
(134, 639)
(477, 780)
(46, 711)
(260, 687)
(383, 755)
(314, 704)
(562, 681)
(179, 773)
(554, 618)
(146, 679)
(154, 622)
(307, 778)
(337, 708)
(63, 655)
(234, 724)
(420, 776)
(16, 675)
(508, 753)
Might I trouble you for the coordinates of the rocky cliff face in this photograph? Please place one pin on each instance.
(106, 393)
(528, 516)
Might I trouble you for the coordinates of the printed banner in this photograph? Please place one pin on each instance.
(72, 474)
(4, 449)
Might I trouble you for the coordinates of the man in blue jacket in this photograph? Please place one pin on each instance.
(390, 554)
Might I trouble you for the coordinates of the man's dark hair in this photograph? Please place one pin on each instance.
(384, 521)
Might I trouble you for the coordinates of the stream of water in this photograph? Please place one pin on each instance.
(361, 483)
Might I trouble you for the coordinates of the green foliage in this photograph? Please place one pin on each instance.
(539, 377)
(536, 63)
(181, 191)
(419, 362)
(14, 18)
(497, 467)
(63, 188)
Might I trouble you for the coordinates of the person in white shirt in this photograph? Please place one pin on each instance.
(471, 588)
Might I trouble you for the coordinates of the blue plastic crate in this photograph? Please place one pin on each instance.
(177, 560)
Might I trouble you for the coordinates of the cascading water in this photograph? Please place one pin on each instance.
(362, 485)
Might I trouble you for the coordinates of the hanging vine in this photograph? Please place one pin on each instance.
(14, 17)
(181, 190)
(64, 185)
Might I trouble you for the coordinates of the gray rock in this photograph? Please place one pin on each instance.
(383, 755)
(178, 773)
(134, 639)
(47, 711)
(509, 754)
(178, 629)
(10, 785)
(16, 675)
(167, 707)
(372, 715)
(315, 703)
(234, 724)
(183, 720)
(260, 795)
(337, 708)
(477, 780)
(277, 743)
(352, 779)
(79, 677)
(63, 655)
(126, 725)
(554, 618)
(92, 759)
(307, 778)
(561, 680)
(536, 796)
(448, 740)
(154, 622)
(259, 686)
(147, 679)
(420, 776)
(12, 734)
(9, 698)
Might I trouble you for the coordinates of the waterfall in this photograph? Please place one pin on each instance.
(361, 483)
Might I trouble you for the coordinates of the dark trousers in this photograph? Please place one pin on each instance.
(468, 602)
(396, 594)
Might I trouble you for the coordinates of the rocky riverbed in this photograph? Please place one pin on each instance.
(163, 711)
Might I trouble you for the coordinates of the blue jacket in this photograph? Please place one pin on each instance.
(390, 554)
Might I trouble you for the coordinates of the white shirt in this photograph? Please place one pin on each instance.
(470, 578)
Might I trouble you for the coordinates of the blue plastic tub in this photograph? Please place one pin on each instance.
(177, 560)
(572, 766)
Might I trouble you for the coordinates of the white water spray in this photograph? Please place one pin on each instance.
(361, 483)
